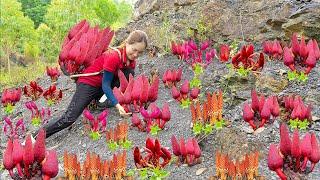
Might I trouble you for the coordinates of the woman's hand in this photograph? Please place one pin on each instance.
(122, 111)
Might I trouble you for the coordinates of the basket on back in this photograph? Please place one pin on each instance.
(81, 46)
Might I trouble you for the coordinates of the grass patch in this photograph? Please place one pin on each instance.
(19, 76)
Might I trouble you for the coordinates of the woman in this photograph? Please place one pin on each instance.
(93, 87)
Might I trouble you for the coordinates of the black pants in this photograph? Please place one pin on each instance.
(81, 99)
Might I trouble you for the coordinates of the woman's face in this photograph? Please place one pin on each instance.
(134, 50)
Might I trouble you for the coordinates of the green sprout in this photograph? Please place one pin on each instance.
(303, 124)
(143, 173)
(158, 173)
(95, 135)
(292, 75)
(293, 123)
(50, 102)
(296, 123)
(130, 172)
(219, 124)
(112, 145)
(154, 130)
(185, 103)
(243, 72)
(198, 69)
(126, 144)
(153, 173)
(197, 128)
(195, 82)
(36, 121)
(207, 129)
(302, 77)
(9, 109)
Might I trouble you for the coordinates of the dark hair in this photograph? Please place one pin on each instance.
(137, 36)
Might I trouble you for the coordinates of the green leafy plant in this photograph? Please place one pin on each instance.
(185, 103)
(9, 109)
(234, 46)
(154, 130)
(197, 128)
(300, 77)
(36, 121)
(50, 102)
(303, 124)
(207, 129)
(197, 69)
(112, 145)
(130, 172)
(158, 173)
(292, 75)
(126, 144)
(149, 173)
(195, 82)
(298, 124)
(219, 124)
(243, 72)
(95, 135)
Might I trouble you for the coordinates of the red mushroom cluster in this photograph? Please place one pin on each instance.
(293, 153)
(248, 59)
(297, 111)
(157, 156)
(30, 160)
(193, 54)
(9, 98)
(273, 49)
(82, 45)
(171, 77)
(137, 92)
(155, 117)
(185, 94)
(187, 152)
(260, 110)
(53, 73)
(33, 90)
(300, 56)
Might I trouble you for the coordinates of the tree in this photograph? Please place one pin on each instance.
(16, 30)
(35, 9)
(125, 10)
(48, 47)
(107, 12)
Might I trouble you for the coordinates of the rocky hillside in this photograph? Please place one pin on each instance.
(223, 20)
(219, 20)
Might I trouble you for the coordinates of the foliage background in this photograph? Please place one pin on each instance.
(32, 30)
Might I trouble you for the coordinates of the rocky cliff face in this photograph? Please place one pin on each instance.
(221, 20)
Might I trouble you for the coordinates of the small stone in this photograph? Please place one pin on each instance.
(315, 118)
(276, 124)
(248, 130)
(258, 131)
(200, 171)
